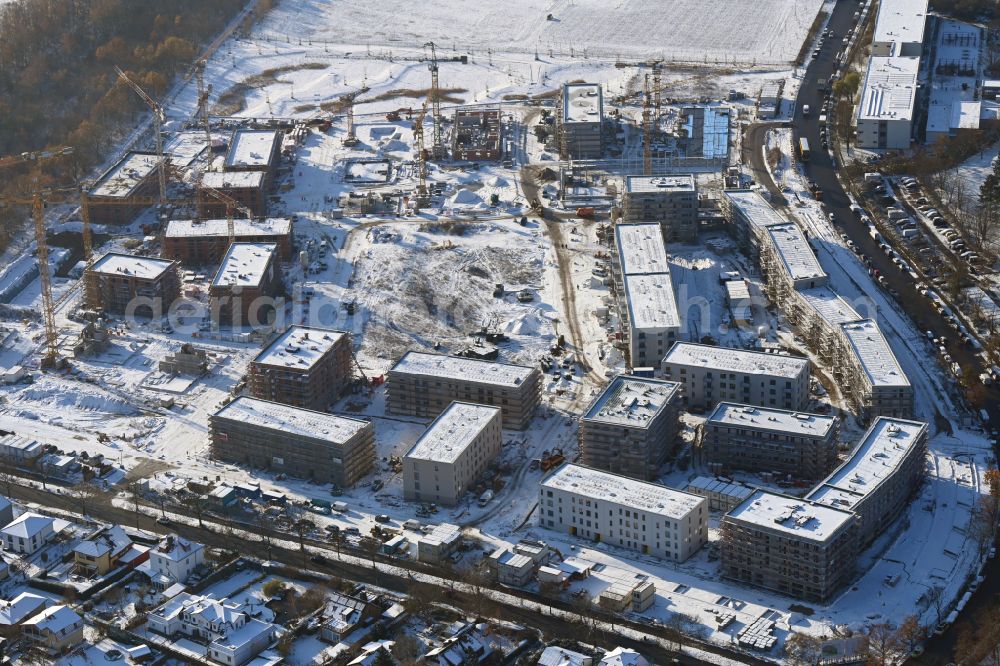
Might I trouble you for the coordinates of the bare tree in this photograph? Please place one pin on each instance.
(883, 645)
(803, 649)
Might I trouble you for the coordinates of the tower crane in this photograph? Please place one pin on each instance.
(437, 147)
(351, 139)
(422, 197)
(231, 206)
(203, 93)
(158, 119)
(647, 131)
(37, 202)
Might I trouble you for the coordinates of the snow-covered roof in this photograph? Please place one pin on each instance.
(650, 184)
(717, 486)
(557, 656)
(245, 265)
(221, 180)
(793, 248)
(901, 21)
(452, 432)
(751, 417)
(463, 369)
(26, 447)
(55, 619)
(20, 607)
(292, 420)
(251, 148)
(124, 177)
(890, 88)
(631, 401)
(272, 226)
(234, 639)
(623, 657)
(874, 353)
(755, 208)
(113, 540)
(831, 307)
(652, 304)
(793, 516)
(623, 490)
(582, 103)
(442, 534)
(28, 525)
(641, 249)
(735, 360)
(175, 549)
(299, 347)
(876, 457)
(144, 268)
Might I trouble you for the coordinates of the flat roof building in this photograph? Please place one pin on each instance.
(245, 286)
(201, 242)
(631, 426)
(621, 511)
(581, 121)
(712, 374)
(452, 454)
(247, 188)
(899, 28)
(670, 201)
(878, 385)
(302, 443)
(881, 475)
(790, 545)
(722, 494)
(423, 385)
(126, 284)
(305, 366)
(253, 150)
(134, 176)
(761, 439)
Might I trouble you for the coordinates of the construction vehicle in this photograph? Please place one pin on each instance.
(551, 460)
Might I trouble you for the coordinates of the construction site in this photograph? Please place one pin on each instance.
(302, 285)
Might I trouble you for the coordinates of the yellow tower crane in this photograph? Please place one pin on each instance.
(158, 119)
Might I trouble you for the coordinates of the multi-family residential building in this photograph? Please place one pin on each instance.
(790, 545)
(631, 426)
(28, 533)
(55, 628)
(173, 561)
(621, 511)
(713, 374)
(305, 367)
(247, 188)
(763, 439)
(580, 121)
(204, 242)
(254, 150)
(125, 284)
(245, 286)
(321, 447)
(233, 637)
(116, 197)
(670, 201)
(452, 453)
(645, 292)
(877, 481)
(423, 385)
(878, 385)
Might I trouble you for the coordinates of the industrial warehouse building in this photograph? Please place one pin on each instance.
(124, 284)
(790, 545)
(580, 121)
(452, 453)
(423, 385)
(134, 176)
(670, 201)
(888, 99)
(247, 188)
(853, 347)
(621, 511)
(762, 439)
(299, 442)
(305, 367)
(877, 481)
(631, 426)
(645, 293)
(714, 374)
(243, 290)
(198, 243)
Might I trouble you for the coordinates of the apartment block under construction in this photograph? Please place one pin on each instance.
(124, 284)
(580, 121)
(304, 367)
(244, 288)
(670, 201)
(248, 188)
(476, 135)
(760, 439)
(110, 200)
(302, 443)
(423, 385)
(203, 242)
(631, 426)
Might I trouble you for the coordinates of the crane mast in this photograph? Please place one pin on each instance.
(158, 120)
(437, 145)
